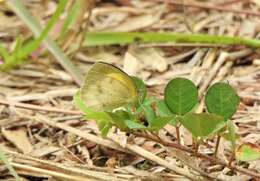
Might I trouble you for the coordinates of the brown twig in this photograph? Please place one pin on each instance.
(232, 2)
(210, 7)
(217, 145)
(212, 159)
(153, 138)
(226, 3)
(196, 150)
(177, 127)
(231, 158)
(39, 108)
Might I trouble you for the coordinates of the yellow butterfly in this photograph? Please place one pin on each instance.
(106, 87)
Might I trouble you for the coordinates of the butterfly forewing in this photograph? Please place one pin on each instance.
(107, 87)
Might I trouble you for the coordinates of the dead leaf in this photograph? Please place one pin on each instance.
(111, 162)
(118, 136)
(131, 65)
(247, 29)
(135, 23)
(149, 58)
(19, 138)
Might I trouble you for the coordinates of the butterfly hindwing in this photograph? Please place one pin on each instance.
(107, 87)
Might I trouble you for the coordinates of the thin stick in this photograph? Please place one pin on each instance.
(196, 150)
(148, 155)
(217, 145)
(231, 159)
(231, 2)
(112, 145)
(212, 159)
(47, 172)
(222, 58)
(129, 148)
(223, 4)
(39, 108)
(85, 135)
(210, 7)
(178, 134)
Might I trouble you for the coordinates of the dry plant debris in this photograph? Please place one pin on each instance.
(44, 136)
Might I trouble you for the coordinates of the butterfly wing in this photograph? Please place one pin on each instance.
(107, 87)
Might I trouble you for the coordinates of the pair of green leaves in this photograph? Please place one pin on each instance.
(181, 96)
(125, 118)
(221, 103)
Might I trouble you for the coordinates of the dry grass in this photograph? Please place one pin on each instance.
(50, 141)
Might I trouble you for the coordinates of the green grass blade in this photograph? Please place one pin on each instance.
(17, 48)
(3, 52)
(12, 59)
(33, 45)
(8, 165)
(112, 38)
(70, 19)
(22, 12)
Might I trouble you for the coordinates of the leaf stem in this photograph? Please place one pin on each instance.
(231, 159)
(196, 150)
(217, 145)
(201, 155)
(177, 127)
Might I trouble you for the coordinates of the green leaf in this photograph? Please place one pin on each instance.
(225, 133)
(80, 104)
(202, 124)
(4, 52)
(8, 165)
(134, 125)
(180, 95)
(162, 108)
(231, 133)
(141, 88)
(248, 152)
(104, 130)
(17, 50)
(164, 111)
(148, 113)
(119, 117)
(147, 102)
(159, 122)
(89, 114)
(103, 119)
(222, 99)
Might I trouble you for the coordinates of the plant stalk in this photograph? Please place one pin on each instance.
(177, 127)
(196, 150)
(232, 156)
(217, 145)
(210, 158)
